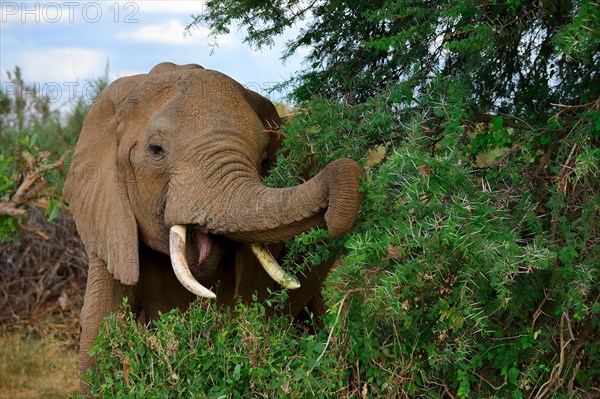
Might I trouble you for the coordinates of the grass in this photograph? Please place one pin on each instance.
(36, 368)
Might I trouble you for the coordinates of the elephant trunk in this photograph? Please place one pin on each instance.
(246, 210)
(260, 214)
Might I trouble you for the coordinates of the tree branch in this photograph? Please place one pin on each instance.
(30, 188)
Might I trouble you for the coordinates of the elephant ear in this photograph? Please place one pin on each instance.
(97, 194)
(270, 119)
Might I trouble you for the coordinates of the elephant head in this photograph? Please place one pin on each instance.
(178, 153)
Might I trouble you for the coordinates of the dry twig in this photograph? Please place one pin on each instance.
(42, 282)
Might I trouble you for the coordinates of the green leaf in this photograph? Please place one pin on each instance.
(53, 210)
(513, 374)
(497, 123)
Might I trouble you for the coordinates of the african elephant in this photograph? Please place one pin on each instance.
(178, 153)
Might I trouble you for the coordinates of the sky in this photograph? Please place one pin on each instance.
(63, 45)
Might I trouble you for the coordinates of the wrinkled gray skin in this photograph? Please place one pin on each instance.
(186, 145)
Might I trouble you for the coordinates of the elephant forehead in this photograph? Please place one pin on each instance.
(182, 114)
(198, 83)
(191, 96)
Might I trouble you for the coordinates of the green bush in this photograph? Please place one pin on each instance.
(458, 279)
(212, 354)
(483, 280)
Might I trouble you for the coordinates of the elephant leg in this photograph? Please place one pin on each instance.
(306, 304)
(310, 319)
(103, 295)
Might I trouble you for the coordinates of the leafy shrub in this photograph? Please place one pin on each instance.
(212, 354)
(480, 281)
(458, 279)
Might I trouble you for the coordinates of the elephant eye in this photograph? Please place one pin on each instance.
(156, 149)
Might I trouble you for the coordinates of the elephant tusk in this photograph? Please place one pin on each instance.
(180, 266)
(272, 267)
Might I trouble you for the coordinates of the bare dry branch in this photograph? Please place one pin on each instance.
(42, 281)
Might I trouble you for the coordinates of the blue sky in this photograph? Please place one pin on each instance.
(67, 43)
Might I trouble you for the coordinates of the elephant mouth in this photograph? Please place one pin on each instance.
(177, 250)
(204, 246)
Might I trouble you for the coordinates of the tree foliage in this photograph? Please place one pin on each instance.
(469, 271)
(516, 57)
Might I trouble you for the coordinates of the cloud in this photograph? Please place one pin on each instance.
(173, 32)
(170, 7)
(168, 32)
(61, 65)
